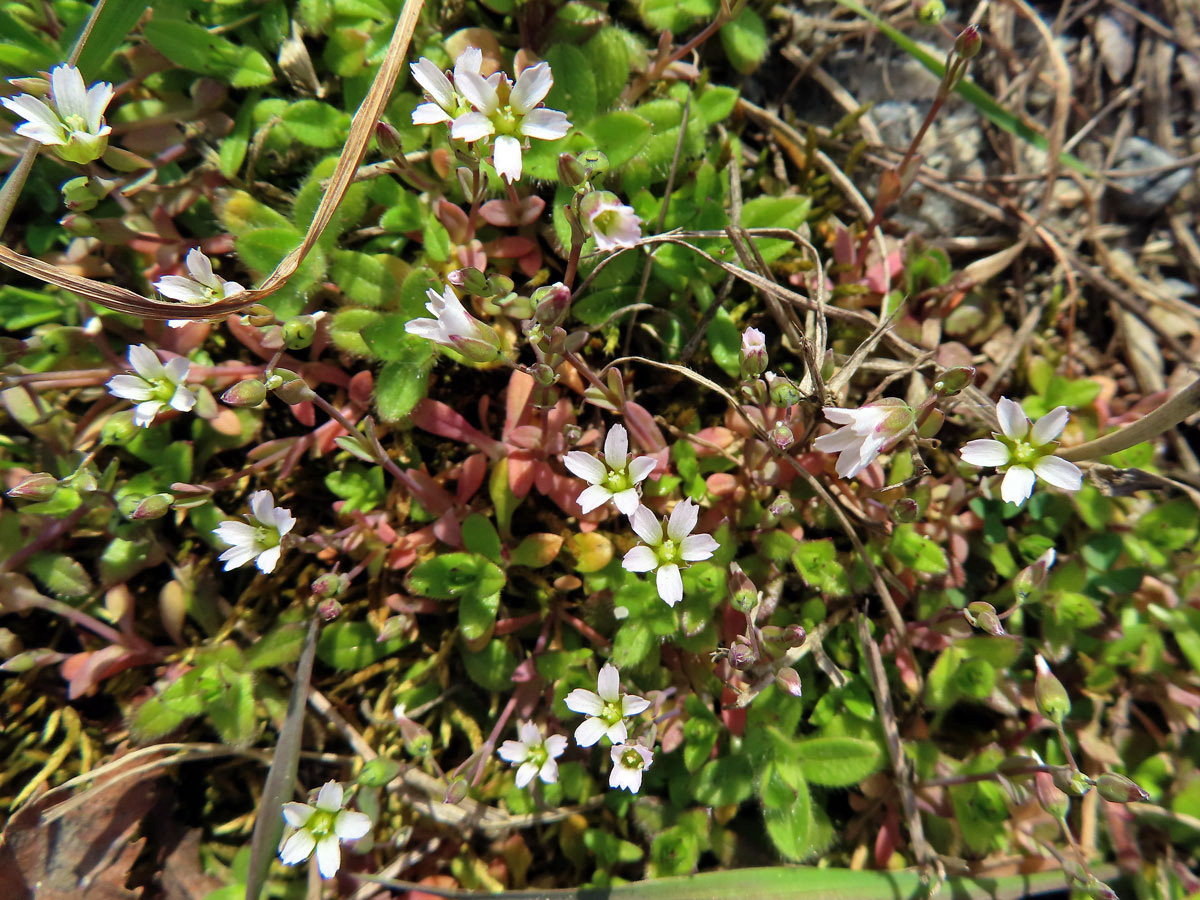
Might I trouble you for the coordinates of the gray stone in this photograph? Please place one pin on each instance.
(1147, 195)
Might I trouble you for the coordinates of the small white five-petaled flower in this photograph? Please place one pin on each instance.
(616, 478)
(154, 385)
(865, 433)
(533, 754)
(72, 123)
(447, 102)
(258, 538)
(452, 326)
(322, 828)
(665, 555)
(606, 709)
(629, 760)
(202, 287)
(1027, 452)
(612, 223)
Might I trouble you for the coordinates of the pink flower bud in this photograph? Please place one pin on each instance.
(969, 43)
(245, 394)
(1119, 789)
(753, 356)
(788, 680)
(38, 486)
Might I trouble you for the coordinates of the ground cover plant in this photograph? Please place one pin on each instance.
(508, 446)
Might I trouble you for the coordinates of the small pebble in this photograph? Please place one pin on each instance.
(1147, 195)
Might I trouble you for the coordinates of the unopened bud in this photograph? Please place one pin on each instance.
(787, 636)
(932, 424)
(1052, 699)
(553, 304)
(982, 615)
(153, 507)
(456, 791)
(752, 358)
(1119, 789)
(781, 506)
(83, 193)
(1030, 581)
(470, 280)
(331, 584)
(906, 510)
(329, 609)
(1071, 781)
(930, 12)
(388, 139)
(289, 387)
(28, 660)
(394, 627)
(78, 224)
(1098, 890)
(244, 394)
(542, 374)
(570, 171)
(298, 333)
(743, 593)
(572, 434)
(38, 486)
(1050, 797)
(500, 286)
(594, 163)
(969, 43)
(782, 436)
(952, 381)
(118, 429)
(742, 655)
(783, 392)
(788, 680)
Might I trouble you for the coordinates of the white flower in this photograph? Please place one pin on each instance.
(447, 103)
(154, 386)
(533, 754)
(606, 709)
(321, 828)
(666, 556)
(454, 327)
(616, 478)
(73, 121)
(1026, 452)
(752, 358)
(260, 538)
(613, 224)
(628, 762)
(202, 287)
(866, 433)
(508, 111)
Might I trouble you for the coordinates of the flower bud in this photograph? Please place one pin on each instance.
(78, 224)
(470, 280)
(1030, 581)
(779, 639)
(1052, 699)
(782, 436)
(388, 139)
(245, 394)
(542, 374)
(982, 615)
(28, 660)
(1119, 789)
(289, 387)
(572, 434)
(456, 791)
(788, 679)
(742, 655)
(153, 507)
(952, 381)
(38, 486)
(783, 392)
(1071, 781)
(331, 584)
(968, 44)
(83, 193)
(743, 593)
(553, 304)
(752, 358)
(1050, 797)
(930, 12)
(906, 510)
(594, 163)
(781, 506)
(298, 333)
(932, 424)
(329, 609)
(570, 171)
(118, 429)
(1098, 890)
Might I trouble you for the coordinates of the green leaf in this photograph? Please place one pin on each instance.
(724, 781)
(109, 31)
(236, 144)
(633, 644)
(362, 487)
(278, 647)
(262, 249)
(787, 810)
(479, 536)
(316, 124)
(62, 575)
(674, 851)
(351, 646)
(981, 813)
(232, 710)
(619, 135)
(436, 240)
(725, 342)
(537, 550)
(195, 48)
(607, 52)
(492, 667)
(348, 327)
(454, 575)
(745, 41)
(839, 761)
(1171, 526)
(715, 104)
(379, 772)
(362, 277)
(918, 552)
(818, 564)
(775, 212)
(154, 718)
(477, 616)
(574, 90)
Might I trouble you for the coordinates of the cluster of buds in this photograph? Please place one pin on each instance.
(601, 214)
(761, 651)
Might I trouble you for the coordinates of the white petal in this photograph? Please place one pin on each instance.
(608, 683)
(98, 98)
(200, 266)
(430, 114)
(470, 60)
(329, 855)
(617, 732)
(549, 771)
(622, 778)
(350, 825)
(471, 127)
(616, 448)
(640, 559)
(835, 442)
(145, 362)
(268, 560)
(238, 556)
(590, 731)
(513, 752)
(1018, 484)
(434, 81)
(480, 93)
(130, 387)
(984, 452)
(183, 399)
(532, 87)
(646, 525)
(506, 157)
(683, 520)
(696, 547)
(430, 329)
(529, 734)
(584, 465)
(556, 745)
(238, 534)
(670, 584)
(1059, 472)
(840, 416)
(262, 503)
(525, 773)
(176, 369)
(633, 706)
(297, 848)
(177, 287)
(1013, 421)
(296, 814)
(37, 113)
(329, 798)
(145, 413)
(585, 702)
(641, 467)
(1049, 426)
(626, 501)
(284, 521)
(46, 135)
(594, 497)
(545, 125)
(68, 91)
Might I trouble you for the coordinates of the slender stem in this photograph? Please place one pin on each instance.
(1161, 420)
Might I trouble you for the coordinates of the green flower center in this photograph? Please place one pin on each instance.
(611, 713)
(606, 221)
(631, 759)
(163, 391)
(76, 123)
(506, 120)
(537, 755)
(321, 823)
(266, 537)
(667, 552)
(617, 481)
(1024, 452)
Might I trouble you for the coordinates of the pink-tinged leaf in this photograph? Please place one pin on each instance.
(362, 386)
(721, 484)
(706, 438)
(84, 671)
(453, 219)
(506, 214)
(530, 263)
(643, 428)
(521, 472)
(526, 437)
(470, 476)
(843, 247)
(473, 256)
(734, 719)
(880, 282)
(559, 417)
(510, 247)
(438, 418)
(431, 494)
(448, 529)
(404, 554)
(305, 414)
(888, 838)
(516, 400)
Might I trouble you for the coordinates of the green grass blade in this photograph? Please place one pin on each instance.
(968, 90)
(111, 27)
